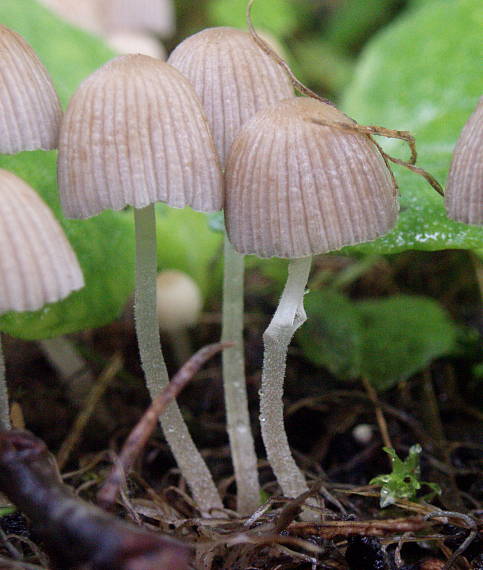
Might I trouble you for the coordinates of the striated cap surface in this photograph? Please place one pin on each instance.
(135, 133)
(233, 77)
(37, 263)
(294, 188)
(464, 190)
(30, 111)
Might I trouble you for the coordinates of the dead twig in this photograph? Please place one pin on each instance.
(469, 522)
(331, 529)
(381, 420)
(74, 533)
(139, 436)
(93, 398)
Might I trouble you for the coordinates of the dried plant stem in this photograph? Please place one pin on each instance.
(189, 460)
(381, 420)
(92, 400)
(236, 402)
(4, 407)
(137, 439)
(288, 317)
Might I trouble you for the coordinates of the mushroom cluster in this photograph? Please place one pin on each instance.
(217, 127)
(37, 263)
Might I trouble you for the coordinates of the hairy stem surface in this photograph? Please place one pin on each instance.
(4, 407)
(189, 460)
(236, 402)
(288, 317)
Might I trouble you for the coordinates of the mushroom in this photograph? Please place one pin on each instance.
(295, 189)
(464, 191)
(30, 110)
(134, 133)
(178, 306)
(234, 79)
(30, 115)
(37, 263)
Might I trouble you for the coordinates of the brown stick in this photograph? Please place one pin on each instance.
(331, 529)
(74, 533)
(95, 394)
(139, 436)
(381, 420)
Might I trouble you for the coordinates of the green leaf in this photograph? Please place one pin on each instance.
(104, 244)
(186, 242)
(276, 16)
(386, 340)
(414, 77)
(331, 336)
(404, 480)
(401, 336)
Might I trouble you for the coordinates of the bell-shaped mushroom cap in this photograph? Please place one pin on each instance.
(135, 133)
(30, 111)
(157, 16)
(464, 191)
(37, 263)
(294, 188)
(233, 77)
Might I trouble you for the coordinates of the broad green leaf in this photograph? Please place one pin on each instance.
(384, 340)
(185, 242)
(401, 335)
(276, 16)
(104, 244)
(421, 74)
(331, 336)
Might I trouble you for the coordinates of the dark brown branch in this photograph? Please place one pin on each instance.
(331, 529)
(74, 533)
(139, 436)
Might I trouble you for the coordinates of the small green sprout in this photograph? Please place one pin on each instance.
(404, 481)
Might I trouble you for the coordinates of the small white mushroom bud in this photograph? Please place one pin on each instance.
(178, 306)
(178, 300)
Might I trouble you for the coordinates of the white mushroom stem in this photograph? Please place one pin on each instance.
(189, 460)
(4, 407)
(236, 402)
(288, 317)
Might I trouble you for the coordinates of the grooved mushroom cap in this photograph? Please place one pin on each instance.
(30, 110)
(37, 263)
(233, 77)
(294, 188)
(464, 190)
(135, 133)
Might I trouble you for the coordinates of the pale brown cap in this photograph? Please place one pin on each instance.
(37, 263)
(135, 133)
(294, 188)
(157, 16)
(464, 190)
(30, 111)
(233, 77)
